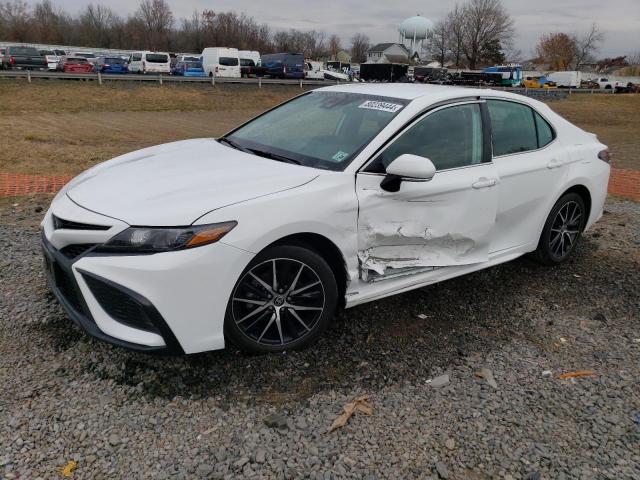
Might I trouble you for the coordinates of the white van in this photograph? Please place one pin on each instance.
(150, 62)
(314, 70)
(221, 62)
(569, 79)
(250, 55)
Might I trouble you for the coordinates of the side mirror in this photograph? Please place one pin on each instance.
(410, 168)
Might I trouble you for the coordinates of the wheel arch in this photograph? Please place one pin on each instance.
(584, 193)
(327, 249)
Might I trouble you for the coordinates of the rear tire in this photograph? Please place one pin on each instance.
(288, 312)
(562, 230)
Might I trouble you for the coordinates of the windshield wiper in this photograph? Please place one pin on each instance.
(274, 156)
(233, 144)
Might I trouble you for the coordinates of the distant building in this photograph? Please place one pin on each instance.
(388, 53)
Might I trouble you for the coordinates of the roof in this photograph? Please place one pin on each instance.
(411, 91)
(381, 47)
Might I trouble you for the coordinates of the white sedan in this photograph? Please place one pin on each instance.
(337, 197)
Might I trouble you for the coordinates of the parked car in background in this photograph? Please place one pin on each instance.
(90, 56)
(111, 65)
(340, 196)
(20, 57)
(52, 58)
(221, 62)
(150, 62)
(284, 65)
(250, 55)
(76, 65)
(189, 58)
(248, 68)
(189, 69)
(538, 82)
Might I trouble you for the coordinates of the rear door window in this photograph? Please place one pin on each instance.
(513, 127)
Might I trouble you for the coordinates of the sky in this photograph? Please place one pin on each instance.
(618, 19)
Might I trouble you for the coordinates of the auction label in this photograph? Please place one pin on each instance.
(382, 106)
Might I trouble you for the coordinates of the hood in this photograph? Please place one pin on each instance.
(176, 183)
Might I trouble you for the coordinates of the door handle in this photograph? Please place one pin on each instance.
(554, 163)
(484, 182)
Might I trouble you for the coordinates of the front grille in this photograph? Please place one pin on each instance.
(119, 305)
(61, 223)
(67, 287)
(75, 250)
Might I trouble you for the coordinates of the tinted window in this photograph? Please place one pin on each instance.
(194, 65)
(46, 52)
(157, 58)
(513, 127)
(113, 60)
(247, 62)
(545, 133)
(320, 129)
(136, 57)
(450, 138)
(228, 61)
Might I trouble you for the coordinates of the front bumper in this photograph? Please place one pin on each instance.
(173, 302)
(62, 281)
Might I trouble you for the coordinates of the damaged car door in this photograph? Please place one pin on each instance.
(413, 217)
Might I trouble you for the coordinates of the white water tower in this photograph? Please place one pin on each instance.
(415, 30)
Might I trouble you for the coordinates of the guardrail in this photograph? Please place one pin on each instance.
(159, 78)
(539, 93)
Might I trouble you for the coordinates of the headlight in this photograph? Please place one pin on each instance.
(152, 239)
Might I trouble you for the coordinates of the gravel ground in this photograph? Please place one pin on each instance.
(226, 415)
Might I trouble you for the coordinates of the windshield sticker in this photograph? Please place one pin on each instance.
(382, 106)
(340, 156)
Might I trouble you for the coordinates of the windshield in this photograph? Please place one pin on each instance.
(320, 129)
(114, 60)
(194, 65)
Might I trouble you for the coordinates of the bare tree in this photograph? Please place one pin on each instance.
(96, 25)
(456, 23)
(334, 46)
(16, 20)
(440, 41)
(156, 19)
(359, 48)
(485, 22)
(587, 44)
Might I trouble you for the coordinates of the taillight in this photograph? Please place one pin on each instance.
(11, 60)
(605, 155)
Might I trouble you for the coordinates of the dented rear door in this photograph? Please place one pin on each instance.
(446, 221)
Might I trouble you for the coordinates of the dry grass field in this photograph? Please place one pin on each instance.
(65, 127)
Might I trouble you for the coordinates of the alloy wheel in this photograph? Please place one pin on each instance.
(565, 229)
(278, 302)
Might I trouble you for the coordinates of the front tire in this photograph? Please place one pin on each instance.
(284, 300)
(562, 230)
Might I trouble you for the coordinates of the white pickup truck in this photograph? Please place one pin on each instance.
(606, 84)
